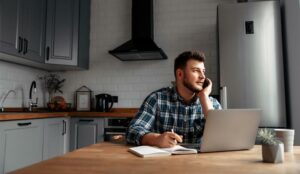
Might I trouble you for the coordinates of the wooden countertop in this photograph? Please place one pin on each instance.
(111, 158)
(117, 112)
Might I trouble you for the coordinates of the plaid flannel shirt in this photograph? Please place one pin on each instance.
(164, 110)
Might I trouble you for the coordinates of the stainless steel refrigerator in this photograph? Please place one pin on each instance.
(251, 60)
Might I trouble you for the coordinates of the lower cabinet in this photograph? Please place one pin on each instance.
(86, 131)
(26, 142)
(56, 137)
(21, 144)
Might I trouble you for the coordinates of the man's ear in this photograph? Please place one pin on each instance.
(179, 74)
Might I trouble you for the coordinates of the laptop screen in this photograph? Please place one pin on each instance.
(230, 129)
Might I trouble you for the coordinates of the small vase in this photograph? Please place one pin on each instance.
(273, 153)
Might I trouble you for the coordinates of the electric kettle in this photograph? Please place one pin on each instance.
(104, 102)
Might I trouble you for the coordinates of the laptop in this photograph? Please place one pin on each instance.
(230, 129)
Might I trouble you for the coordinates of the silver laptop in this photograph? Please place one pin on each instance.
(230, 129)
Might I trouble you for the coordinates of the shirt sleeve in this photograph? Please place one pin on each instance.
(143, 121)
(215, 103)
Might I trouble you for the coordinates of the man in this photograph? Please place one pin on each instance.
(176, 114)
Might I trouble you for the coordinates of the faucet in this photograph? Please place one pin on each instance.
(4, 98)
(32, 104)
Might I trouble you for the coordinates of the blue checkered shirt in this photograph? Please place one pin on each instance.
(164, 110)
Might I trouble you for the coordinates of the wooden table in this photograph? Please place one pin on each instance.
(114, 158)
(115, 112)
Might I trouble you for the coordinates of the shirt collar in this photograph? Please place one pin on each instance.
(176, 97)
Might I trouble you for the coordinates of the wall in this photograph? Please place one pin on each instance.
(179, 25)
(19, 78)
(291, 9)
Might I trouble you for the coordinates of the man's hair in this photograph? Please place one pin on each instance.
(183, 58)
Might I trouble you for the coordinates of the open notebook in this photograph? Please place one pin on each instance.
(151, 151)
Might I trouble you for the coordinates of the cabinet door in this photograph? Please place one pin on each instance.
(2, 145)
(86, 131)
(22, 28)
(54, 137)
(33, 29)
(62, 32)
(9, 28)
(23, 144)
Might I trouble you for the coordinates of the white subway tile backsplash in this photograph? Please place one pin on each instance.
(19, 78)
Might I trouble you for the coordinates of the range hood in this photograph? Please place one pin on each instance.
(141, 46)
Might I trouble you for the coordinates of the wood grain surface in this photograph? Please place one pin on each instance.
(16, 115)
(111, 158)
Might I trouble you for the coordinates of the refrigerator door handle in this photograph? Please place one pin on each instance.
(223, 96)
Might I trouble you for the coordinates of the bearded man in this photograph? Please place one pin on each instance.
(176, 114)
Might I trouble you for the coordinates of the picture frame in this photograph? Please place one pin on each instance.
(83, 99)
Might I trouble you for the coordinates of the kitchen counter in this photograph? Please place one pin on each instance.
(114, 158)
(117, 112)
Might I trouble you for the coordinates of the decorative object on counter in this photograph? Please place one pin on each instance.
(53, 84)
(58, 103)
(272, 148)
(104, 102)
(83, 98)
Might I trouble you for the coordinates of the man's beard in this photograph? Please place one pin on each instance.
(190, 86)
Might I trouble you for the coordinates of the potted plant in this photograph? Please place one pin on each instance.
(53, 84)
(272, 148)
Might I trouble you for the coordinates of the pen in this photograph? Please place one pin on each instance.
(172, 130)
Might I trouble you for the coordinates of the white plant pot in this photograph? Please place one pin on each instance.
(273, 153)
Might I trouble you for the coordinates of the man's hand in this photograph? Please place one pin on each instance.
(164, 140)
(207, 90)
(204, 98)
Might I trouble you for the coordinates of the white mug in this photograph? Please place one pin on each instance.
(287, 137)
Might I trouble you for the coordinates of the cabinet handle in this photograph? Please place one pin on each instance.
(25, 46)
(24, 124)
(47, 53)
(64, 127)
(91, 120)
(20, 45)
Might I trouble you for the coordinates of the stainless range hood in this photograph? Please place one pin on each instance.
(141, 46)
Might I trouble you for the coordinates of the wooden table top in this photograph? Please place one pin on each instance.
(115, 159)
(116, 112)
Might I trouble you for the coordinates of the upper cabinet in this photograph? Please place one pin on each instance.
(23, 28)
(67, 33)
(51, 35)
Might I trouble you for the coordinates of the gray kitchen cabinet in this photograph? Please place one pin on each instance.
(9, 26)
(67, 33)
(56, 137)
(21, 144)
(86, 131)
(22, 28)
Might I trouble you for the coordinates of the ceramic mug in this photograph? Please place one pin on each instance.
(287, 137)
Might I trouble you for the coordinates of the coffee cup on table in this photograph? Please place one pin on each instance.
(287, 137)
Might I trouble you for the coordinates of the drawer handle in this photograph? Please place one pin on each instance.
(47, 53)
(86, 120)
(64, 127)
(24, 124)
(20, 46)
(25, 46)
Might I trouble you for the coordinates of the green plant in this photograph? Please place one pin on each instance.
(267, 136)
(53, 83)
